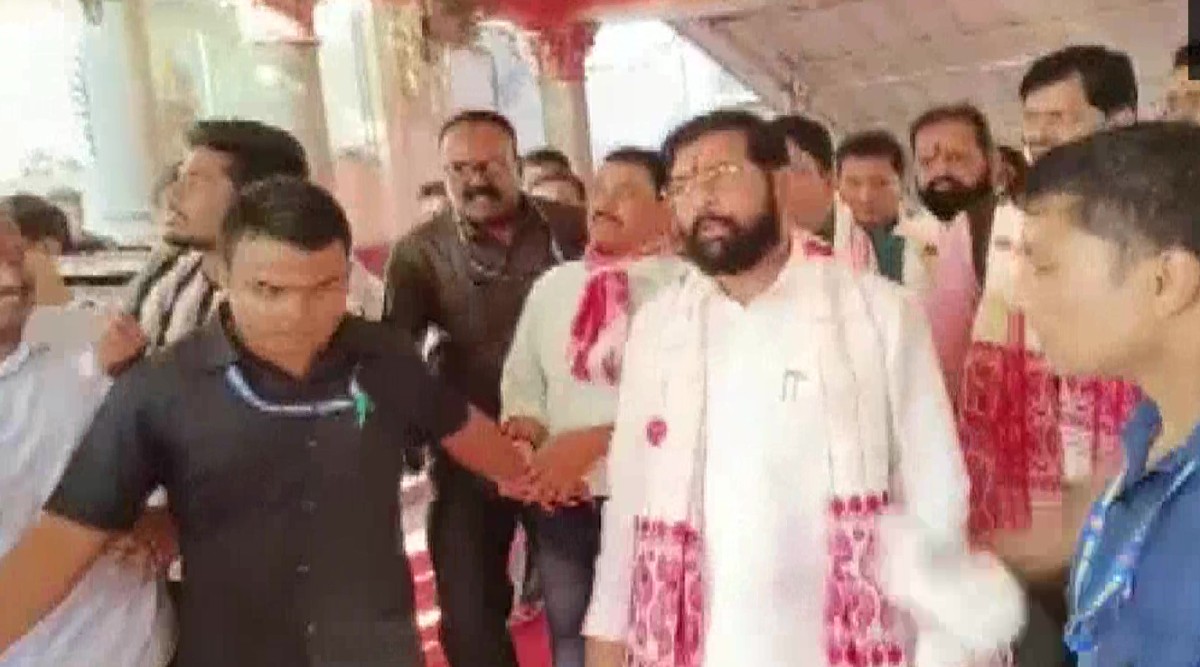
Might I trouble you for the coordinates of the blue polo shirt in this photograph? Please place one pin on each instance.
(1159, 625)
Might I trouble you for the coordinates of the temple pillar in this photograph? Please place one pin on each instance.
(120, 108)
(287, 70)
(560, 55)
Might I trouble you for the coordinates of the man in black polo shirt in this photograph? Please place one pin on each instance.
(277, 430)
(467, 273)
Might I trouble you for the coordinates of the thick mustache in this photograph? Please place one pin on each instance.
(599, 216)
(483, 191)
(720, 220)
(952, 183)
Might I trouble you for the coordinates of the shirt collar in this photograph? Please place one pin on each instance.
(1138, 438)
(216, 347)
(18, 358)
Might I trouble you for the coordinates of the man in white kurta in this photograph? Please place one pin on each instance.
(783, 435)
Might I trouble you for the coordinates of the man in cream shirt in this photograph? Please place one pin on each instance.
(782, 435)
(560, 378)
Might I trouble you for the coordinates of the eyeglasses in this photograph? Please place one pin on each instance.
(719, 177)
(464, 169)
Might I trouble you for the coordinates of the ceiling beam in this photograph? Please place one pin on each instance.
(674, 10)
(765, 79)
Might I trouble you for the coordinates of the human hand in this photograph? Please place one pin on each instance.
(524, 429)
(520, 489)
(122, 343)
(564, 461)
(151, 546)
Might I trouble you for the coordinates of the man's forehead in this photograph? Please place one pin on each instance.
(867, 163)
(614, 173)
(946, 133)
(710, 149)
(474, 137)
(1055, 96)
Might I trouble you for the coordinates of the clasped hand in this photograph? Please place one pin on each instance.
(555, 468)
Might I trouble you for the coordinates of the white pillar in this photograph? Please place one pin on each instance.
(290, 76)
(121, 114)
(561, 53)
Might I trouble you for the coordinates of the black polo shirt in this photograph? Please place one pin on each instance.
(287, 524)
(461, 280)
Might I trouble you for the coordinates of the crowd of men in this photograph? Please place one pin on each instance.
(750, 408)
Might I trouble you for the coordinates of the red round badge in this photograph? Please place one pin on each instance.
(656, 431)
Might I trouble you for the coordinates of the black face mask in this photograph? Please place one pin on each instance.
(947, 203)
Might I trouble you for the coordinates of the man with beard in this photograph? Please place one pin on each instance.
(811, 203)
(467, 273)
(782, 435)
(870, 170)
(952, 153)
(117, 615)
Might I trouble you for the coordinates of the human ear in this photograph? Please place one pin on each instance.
(1177, 281)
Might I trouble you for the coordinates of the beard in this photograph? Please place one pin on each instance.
(945, 204)
(741, 250)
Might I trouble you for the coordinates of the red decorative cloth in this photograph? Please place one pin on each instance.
(1020, 424)
(601, 321)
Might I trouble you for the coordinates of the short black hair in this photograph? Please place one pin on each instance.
(809, 136)
(963, 112)
(1138, 186)
(572, 179)
(485, 116)
(1020, 166)
(38, 219)
(1109, 83)
(764, 146)
(257, 150)
(292, 210)
(547, 155)
(431, 189)
(872, 144)
(1188, 55)
(649, 160)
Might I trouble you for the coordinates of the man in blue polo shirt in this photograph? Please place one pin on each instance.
(1109, 277)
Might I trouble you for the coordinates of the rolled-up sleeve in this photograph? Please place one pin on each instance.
(608, 615)
(113, 471)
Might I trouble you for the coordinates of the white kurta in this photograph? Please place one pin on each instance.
(768, 447)
(764, 489)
